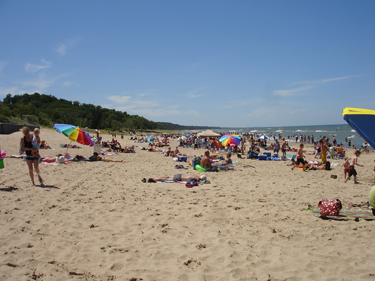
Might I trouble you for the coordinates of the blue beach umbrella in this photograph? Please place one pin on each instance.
(362, 121)
(150, 138)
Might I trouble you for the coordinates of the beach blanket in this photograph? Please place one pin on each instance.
(357, 213)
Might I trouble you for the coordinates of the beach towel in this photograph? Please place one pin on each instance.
(356, 213)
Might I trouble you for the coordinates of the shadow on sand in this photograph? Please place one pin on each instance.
(8, 189)
(48, 186)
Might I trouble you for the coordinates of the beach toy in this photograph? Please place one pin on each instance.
(1, 164)
(200, 168)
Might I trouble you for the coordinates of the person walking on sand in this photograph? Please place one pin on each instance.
(27, 146)
(346, 166)
(352, 162)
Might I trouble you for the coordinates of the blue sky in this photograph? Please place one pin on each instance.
(214, 63)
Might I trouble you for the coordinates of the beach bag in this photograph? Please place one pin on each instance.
(330, 207)
(196, 161)
(328, 166)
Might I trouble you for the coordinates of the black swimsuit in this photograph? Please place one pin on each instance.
(28, 144)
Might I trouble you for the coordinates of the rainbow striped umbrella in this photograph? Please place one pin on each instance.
(230, 139)
(74, 133)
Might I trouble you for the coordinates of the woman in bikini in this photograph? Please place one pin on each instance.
(27, 146)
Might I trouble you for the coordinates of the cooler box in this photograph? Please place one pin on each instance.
(182, 158)
(262, 157)
(268, 154)
(97, 148)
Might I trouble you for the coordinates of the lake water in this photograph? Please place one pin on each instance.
(341, 132)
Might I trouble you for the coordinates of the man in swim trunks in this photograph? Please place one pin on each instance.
(284, 146)
(206, 163)
(176, 178)
(300, 157)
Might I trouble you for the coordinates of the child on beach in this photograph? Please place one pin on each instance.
(36, 144)
(352, 162)
(346, 166)
(300, 157)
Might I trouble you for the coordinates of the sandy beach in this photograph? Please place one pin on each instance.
(98, 221)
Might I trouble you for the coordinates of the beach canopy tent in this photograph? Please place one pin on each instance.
(208, 133)
(362, 121)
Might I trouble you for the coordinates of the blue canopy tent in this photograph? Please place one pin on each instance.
(362, 121)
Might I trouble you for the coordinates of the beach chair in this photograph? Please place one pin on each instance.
(293, 157)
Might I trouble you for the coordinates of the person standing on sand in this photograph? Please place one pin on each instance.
(300, 157)
(352, 162)
(323, 150)
(276, 146)
(27, 146)
(283, 147)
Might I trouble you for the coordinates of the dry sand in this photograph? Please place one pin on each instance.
(98, 221)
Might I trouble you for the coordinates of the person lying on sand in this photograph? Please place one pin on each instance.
(96, 157)
(206, 163)
(71, 146)
(176, 178)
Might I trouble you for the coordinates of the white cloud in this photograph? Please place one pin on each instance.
(285, 93)
(309, 85)
(119, 99)
(70, 83)
(148, 112)
(232, 104)
(145, 103)
(39, 83)
(61, 48)
(145, 107)
(2, 65)
(10, 90)
(264, 111)
(32, 68)
(194, 93)
(326, 80)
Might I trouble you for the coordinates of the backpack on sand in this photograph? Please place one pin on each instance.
(328, 166)
(330, 207)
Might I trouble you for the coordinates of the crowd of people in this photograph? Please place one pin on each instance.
(31, 143)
